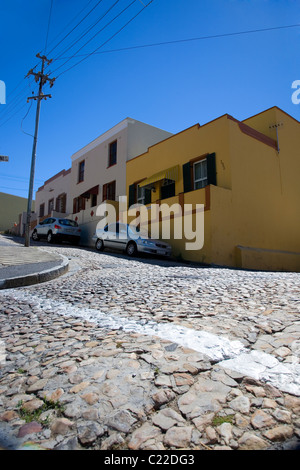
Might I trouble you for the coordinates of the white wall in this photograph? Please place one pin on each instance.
(52, 188)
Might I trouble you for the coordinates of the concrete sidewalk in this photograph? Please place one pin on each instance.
(24, 266)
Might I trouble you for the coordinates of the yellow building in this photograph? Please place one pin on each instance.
(246, 175)
(11, 209)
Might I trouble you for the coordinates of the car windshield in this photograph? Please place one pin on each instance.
(70, 223)
(137, 232)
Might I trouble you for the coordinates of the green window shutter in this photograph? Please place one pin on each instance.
(211, 169)
(187, 181)
(131, 200)
(147, 196)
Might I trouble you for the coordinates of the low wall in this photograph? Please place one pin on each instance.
(267, 260)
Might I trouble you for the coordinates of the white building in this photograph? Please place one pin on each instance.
(97, 174)
(98, 170)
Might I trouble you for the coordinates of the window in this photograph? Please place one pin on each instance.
(42, 210)
(140, 195)
(60, 205)
(112, 156)
(200, 174)
(81, 171)
(78, 204)
(50, 206)
(68, 222)
(109, 191)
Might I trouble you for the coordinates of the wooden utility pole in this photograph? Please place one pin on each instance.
(42, 79)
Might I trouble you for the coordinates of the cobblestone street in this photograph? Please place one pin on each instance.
(137, 354)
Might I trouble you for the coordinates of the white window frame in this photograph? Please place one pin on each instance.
(140, 195)
(203, 181)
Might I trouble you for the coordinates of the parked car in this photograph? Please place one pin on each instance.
(57, 229)
(122, 237)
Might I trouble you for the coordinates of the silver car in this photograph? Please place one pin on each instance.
(121, 237)
(57, 229)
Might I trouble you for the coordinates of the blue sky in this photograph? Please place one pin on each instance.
(171, 86)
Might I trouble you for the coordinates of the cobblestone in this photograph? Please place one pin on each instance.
(132, 354)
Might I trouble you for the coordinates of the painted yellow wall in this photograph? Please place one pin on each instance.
(10, 209)
(262, 210)
(179, 149)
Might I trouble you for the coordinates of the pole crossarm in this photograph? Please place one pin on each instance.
(40, 97)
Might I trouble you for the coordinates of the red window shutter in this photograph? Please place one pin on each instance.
(104, 196)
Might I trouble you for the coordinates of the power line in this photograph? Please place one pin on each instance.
(103, 44)
(98, 32)
(215, 36)
(8, 119)
(70, 22)
(11, 108)
(18, 178)
(76, 26)
(8, 108)
(48, 28)
(89, 29)
(16, 189)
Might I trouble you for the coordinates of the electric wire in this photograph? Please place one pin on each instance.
(177, 41)
(24, 132)
(15, 101)
(70, 22)
(48, 28)
(90, 28)
(105, 42)
(76, 26)
(12, 99)
(98, 32)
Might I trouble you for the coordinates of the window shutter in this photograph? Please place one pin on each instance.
(187, 182)
(104, 192)
(75, 205)
(211, 169)
(131, 200)
(64, 204)
(147, 196)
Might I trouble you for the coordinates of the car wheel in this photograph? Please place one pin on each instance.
(50, 237)
(131, 249)
(35, 236)
(99, 245)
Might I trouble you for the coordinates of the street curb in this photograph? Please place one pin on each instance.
(38, 277)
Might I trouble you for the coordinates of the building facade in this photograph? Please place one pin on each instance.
(98, 171)
(244, 176)
(53, 199)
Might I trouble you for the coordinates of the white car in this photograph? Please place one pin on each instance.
(121, 237)
(57, 229)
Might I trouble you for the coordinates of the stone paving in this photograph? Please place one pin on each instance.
(150, 355)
